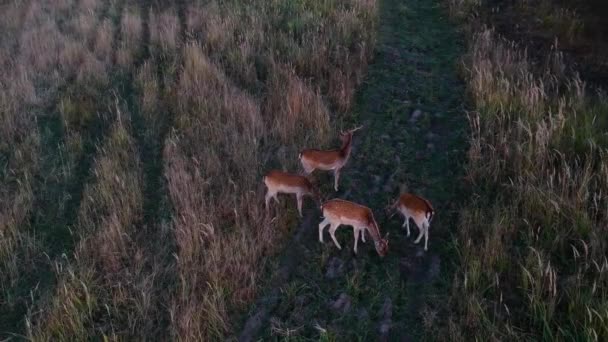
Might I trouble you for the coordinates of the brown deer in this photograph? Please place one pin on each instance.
(327, 160)
(282, 182)
(338, 212)
(418, 209)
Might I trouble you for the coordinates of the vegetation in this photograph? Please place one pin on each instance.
(531, 242)
(414, 138)
(134, 137)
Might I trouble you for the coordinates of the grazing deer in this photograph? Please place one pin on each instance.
(312, 159)
(338, 212)
(420, 210)
(286, 183)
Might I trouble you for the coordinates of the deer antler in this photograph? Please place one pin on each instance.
(355, 129)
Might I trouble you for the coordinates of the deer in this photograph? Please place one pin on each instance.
(418, 209)
(338, 212)
(328, 160)
(286, 183)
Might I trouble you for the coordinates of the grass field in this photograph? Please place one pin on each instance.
(134, 135)
(134, 138)
(531, 243)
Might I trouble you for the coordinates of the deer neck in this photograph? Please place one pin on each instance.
(373, 231)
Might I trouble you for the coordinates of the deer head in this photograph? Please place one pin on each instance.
(382, 245)
(346, 136)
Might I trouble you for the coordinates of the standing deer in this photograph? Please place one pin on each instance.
(338, 212)
(420, 210)
(312, 159)
(286, 183)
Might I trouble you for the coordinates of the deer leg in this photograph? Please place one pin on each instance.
(321, 226)
(299, 198)
(407, 225)
(267, 199)
(362, 234)
(356, 231)
(426, 235)
(332, 233)
(336, 178)
(420, 233)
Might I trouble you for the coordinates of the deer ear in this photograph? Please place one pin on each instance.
(386, 236)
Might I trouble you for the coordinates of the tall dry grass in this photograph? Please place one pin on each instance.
(55, 69)
(131, 33)
(24, 65)
(329, 42)
(531, 241)
(208, 165)
(239, 102)
(164, 31)
(250, 94)
(166, 47)
(101, 291)
(148, 86)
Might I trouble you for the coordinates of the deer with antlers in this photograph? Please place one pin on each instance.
(338, 212)
(418, 209)
(282, 182)
(328, 160)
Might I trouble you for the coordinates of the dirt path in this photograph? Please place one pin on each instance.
(415, 131)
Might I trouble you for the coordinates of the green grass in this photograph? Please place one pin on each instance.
(531, 245)
(414, 68)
